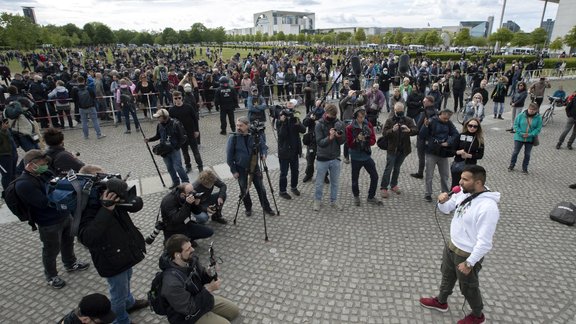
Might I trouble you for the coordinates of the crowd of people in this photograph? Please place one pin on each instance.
(173, 89)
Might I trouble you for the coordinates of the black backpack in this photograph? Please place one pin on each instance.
(158, 304)
(19, 208)
(564, 213)
(85, 98)
(126, 97)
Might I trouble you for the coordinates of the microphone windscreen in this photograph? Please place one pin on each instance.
(404, 63)
(356, 66)
(117, 186)
(456, 189)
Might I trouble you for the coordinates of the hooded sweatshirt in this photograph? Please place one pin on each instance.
(474, 223)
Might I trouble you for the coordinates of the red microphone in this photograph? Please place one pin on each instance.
(455, 189)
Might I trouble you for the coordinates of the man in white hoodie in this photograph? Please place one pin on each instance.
(475, 217)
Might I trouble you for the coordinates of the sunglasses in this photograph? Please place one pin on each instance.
(472, 126)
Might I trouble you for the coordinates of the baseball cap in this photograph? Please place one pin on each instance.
(97, 306)
(34, 155)
(161, 113)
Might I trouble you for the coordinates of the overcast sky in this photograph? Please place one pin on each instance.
(181, 14)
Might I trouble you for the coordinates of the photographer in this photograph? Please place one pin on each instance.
(289, 148)
(329, 134)
(211, 203)
(256, 106)
(242, 161)
(348, 105)
(360, 137)
(172, 137)
(374, 103)
(439, 135)
(182, 214)
(398, 128)
(188, 288)
(115, 244)
(310, 140)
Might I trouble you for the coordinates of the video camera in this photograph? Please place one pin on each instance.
(256, 127)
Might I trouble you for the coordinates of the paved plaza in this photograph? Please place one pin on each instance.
(362, 265)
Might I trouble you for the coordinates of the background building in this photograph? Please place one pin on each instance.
(565, 19)
(29, 13)
(288, 22)
(512, 26)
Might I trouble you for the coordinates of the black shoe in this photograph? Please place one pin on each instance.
(295, 191)
(269, 212)
(509, 129)
(525, 172)
(138, 304)
(78, 266)
(500, 117)
(248, 213)
(307, 178)
(510, 168)
(572, 186)
(570, 147)
(222, 132)
(285, 195)
(220, 220)
(200, 168)
(558, 146)
(417, 175)
(188, 168)
(428, 198)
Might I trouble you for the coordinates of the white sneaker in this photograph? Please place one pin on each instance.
(336, 206)
(316, 205)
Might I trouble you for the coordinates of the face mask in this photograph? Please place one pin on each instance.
(399, 114)
(385, 72)
(330, 119)
(308, 79)
(41, 168)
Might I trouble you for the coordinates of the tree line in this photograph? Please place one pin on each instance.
(18, 32)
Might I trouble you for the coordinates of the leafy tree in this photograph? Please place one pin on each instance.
(462, 37)
(388, 37)
(266, 37)
(89, 30)
(398, 37)
(197, 31)
(374, 39)
(329, 38)
(18, 31)
(360, 35)
(539, 36)
(502, 35)
(125, 36)
(102, 34)
(301, 38)
(258, 36)
(570, 38)
(343, 37)
(478, 41)
(218, 35)
(556, 44)
(291, 37)
(407, 39)
(71, 29)
(432, 38)
(521, 39)
(420, 38)
(281, 36)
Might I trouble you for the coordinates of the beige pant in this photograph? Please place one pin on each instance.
(223, 312)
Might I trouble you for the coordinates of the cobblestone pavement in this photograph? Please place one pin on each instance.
(362, 265)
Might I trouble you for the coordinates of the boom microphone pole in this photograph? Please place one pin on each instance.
(152, 156)
(348, 61)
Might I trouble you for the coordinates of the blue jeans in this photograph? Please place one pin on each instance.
(257, 180)
(322, 167)
(173, 161)
(120, 296)
(498, 108)
(127, 111)
(57, 238)
(393, 163)
(293, 165)
(84, 114)
(370, 167)
(387, 98)
(527, 150)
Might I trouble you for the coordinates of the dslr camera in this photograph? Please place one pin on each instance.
(158, 227)
(256, 127)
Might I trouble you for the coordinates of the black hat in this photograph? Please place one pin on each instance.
(97, 306)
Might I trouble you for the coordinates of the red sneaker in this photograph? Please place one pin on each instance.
(471, 319)
(433, 303)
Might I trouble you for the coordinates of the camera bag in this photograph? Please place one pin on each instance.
(564, 213)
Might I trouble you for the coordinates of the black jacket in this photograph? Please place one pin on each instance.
(174, 212)
(289, 142)
(414, 104)
(114, 242)
(171, 133)
(187, 117)
(183, 288)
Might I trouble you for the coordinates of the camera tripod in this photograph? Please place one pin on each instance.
(255, 164)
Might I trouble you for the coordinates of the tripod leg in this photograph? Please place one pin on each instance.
(265, 168)
(241, 199)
